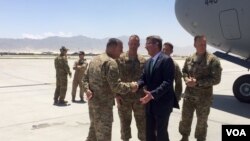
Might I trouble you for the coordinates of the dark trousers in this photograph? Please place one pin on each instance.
(156, 126)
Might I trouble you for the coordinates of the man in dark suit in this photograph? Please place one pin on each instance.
(159, 97)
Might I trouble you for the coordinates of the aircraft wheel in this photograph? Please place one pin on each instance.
(241, 88)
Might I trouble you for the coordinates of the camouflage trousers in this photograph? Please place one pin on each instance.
(202, 107)
(125, 113)
(101, 119)
(75, 84)
(61, 88)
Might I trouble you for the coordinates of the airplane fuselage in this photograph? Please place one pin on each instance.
(226, 23)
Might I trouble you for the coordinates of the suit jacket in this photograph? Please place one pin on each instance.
(160, 84)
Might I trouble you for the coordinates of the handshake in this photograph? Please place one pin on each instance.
(134, 86)
(191, 82)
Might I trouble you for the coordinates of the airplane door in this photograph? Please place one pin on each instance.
(230, 24)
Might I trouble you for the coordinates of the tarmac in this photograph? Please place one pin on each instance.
(27, 112)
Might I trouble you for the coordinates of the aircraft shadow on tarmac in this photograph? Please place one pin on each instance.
(231, 105)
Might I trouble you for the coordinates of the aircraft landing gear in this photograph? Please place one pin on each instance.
(241, 88)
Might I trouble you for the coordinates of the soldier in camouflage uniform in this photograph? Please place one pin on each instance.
(62, 70)
(200, 72)
(131, 66)
(79, 66)
(101, 82)
(168, 50)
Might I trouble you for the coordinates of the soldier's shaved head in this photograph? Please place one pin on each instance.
(114, 48)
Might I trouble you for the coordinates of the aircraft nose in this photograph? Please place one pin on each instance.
(187, 14)
(181, 8)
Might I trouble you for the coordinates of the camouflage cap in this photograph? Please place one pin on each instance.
(81, 53)
(63, 48)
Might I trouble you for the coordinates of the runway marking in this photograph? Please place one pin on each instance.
(45, 125)
(27, 85)
(42, 120)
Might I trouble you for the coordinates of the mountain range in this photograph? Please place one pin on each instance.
(75, 44)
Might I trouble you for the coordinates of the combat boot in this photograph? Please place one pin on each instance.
(55, 102)
(62, 102)
(82, 101)
(184, 138)
(201, 138)
(73, 99)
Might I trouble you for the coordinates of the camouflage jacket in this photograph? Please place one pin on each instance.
(131, 70)
(103, 80)
(61, 66)
(206, 70)
(80, 66)
(178, 81)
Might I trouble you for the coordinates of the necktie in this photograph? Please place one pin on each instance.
(151, 65)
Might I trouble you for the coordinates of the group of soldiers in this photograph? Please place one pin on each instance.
(111, 76)
(62, 71)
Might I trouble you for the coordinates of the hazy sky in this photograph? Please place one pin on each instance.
(91, 18)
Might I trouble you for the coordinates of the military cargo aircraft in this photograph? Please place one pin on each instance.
(226, 25)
